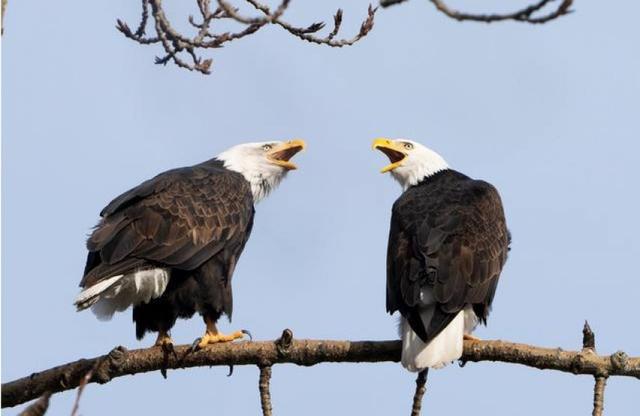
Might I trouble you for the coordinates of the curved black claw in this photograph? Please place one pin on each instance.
(230, 370)
(194, 346)
(169, 349)
(247, 333)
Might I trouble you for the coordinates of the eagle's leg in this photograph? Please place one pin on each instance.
(164, 339)
(213, 336)
(469, 337)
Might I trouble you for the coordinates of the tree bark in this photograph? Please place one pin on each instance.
(120, 361)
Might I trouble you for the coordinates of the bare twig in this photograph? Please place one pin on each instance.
(523, 15)
(83, 383)
(4, 7)
(39, 407)
(265, 395)
(85, 380)
(387, 3)
(177, 46)
(588, 338)
(598, 395)
(421, 388)
(306, 33)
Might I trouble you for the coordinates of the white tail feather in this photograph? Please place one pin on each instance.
(118, 293)
(90, 295)
(440, 351)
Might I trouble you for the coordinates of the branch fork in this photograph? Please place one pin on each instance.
(184, 51)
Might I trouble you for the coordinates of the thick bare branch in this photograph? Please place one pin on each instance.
(576, 362)
(184, 50)
(120, 361)
(265, 394)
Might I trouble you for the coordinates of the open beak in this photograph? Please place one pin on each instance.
(282, 154)
(394, 151)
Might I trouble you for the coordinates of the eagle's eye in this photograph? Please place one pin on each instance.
(408, 146)
(267, 147)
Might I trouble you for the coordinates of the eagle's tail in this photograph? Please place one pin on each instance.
(440, 351)
(90, 295)
(117, 293)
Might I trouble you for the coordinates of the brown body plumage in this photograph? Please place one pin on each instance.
(169, 246)
(192, 221)
(448, 238)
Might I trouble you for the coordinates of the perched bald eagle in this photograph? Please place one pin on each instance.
(169, 246)
(448, 242)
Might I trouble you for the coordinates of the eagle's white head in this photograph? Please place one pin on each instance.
(411, 162)
(262, 164)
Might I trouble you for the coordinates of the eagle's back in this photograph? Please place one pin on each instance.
(178, 219)
(448, 242)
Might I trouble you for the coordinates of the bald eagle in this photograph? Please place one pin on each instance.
(169, 246)
(448, 242)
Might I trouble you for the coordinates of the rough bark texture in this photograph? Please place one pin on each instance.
(421, 388)
(598, 396)
(265, 394)
(39, 407)
(120, 361)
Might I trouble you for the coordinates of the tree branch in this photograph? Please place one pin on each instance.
(4, 6)
(525, 15)
(265, 395)
(39, 407)
(421, 383)
(598, 395)
(120, 361)
(181, 48)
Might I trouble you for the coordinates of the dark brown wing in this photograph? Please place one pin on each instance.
(179, 219)
(449, 239)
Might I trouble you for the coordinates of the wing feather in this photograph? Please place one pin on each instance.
(448, 242)
(179, 219)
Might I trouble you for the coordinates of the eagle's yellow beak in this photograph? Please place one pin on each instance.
(280, 155)
(394, 151)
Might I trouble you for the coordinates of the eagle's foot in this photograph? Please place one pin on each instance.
(217, 337)
(469, 337)
(164, 340)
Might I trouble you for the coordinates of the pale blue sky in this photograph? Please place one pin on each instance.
(548, 114)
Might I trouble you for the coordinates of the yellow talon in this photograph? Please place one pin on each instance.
(470, 337)
(211, 337)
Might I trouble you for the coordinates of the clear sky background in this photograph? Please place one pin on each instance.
(549, 114)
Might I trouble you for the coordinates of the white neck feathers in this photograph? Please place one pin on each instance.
(263, 176)
(418, 166)
(261, 186)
